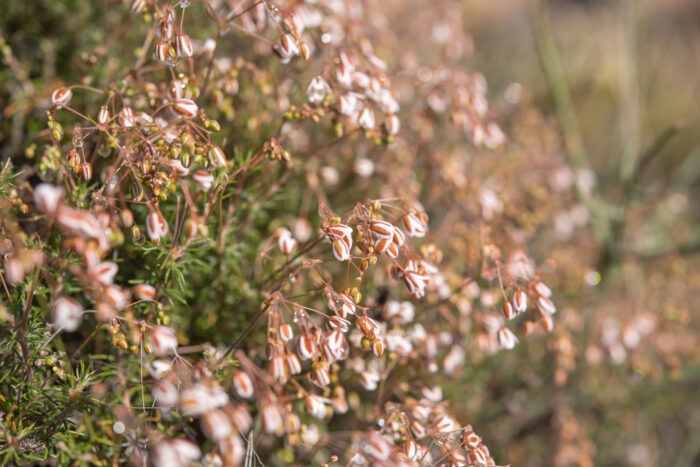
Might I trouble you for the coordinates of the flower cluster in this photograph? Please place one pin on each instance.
(179, 221)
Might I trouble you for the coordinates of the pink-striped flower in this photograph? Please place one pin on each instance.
(286, 332)
(415, 283)
(126, 117)
(506, 338)
(175, 452)
(316, 406)
(414, 226)
(163, 340)
(341, 250)
(183, 45)
(243, 385)
(293, 363)
(347, 104)
(321, 376)
(48, 198)
(203, 180)
(115, 297)
(103, 115)
(542, 289)
(67, 314)
(317, 89)
(333, 346)
(278, 368)
(392, 125)
(162, 52)
(520, 301)
(233, 450)
(216, 157)
(366, 118)
(271, 416)
(285, 242)
(216, 425)
(545, 305)
(306, 346)
(382, 229)
(137, 6)
(340, 231)
(508, 310)
(103, 272)
(241, 418)
(368, 326)
(347, 306)
(165, 394)
(156, 226)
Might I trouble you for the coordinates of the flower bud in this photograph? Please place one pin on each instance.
(183, 45)
(341, 250)
(103, 115)
(216, 156)
(520, 301)
(156, 226)
(163, 52)
(61, 96)
(185, 107)
(508, 310)
(85, 171)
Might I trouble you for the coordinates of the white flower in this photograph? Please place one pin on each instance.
(67, 314)
(317, 90)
